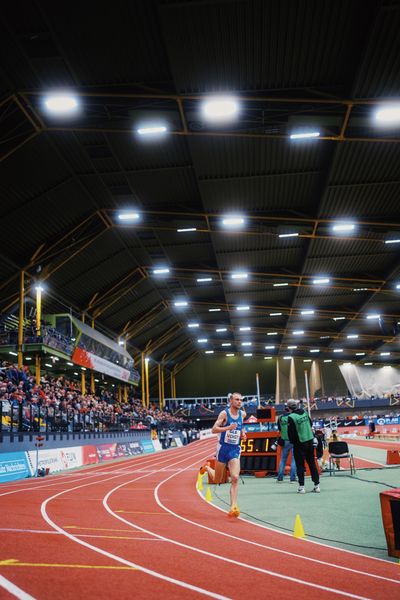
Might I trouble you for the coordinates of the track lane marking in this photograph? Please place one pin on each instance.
(14, 589)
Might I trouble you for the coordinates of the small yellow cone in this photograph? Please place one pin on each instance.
(200, 482)
(209, 494)
(298, 528)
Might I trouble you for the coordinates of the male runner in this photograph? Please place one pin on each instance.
(229, 426)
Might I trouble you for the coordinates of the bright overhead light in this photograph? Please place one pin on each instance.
(209, 352)
(202, 340)
(121, 342)
(13, 353)
(360, 289)
(275, 314)
(321, 280)
(75, 373)
(360, 353)
(221, 329)
(314, 351)
(247, 354)
(298, 332)
(160, 271)
(343, 227)
(239, 275)
(307, 360)
(61, 104)
(385, 353)
(304, 135)
(287, 357)
(327, 360)
(244, 328)
(214, 310)
(288, 235)
(243, 307)
(394, 241)
(352, 336)
(338, 318)
(280, 284)
(338, 350)
(193, 325)
(388, 115)
(70, 364)
(246, 343)
(152, 130)
(48, 365)
(203, 279)
(186, 229)
(373, 316)
(226, 344)
(233, 221)
(230, 354)
(291, 347)
(220, 108)
(39, 288)
(368, 364)
(180, 303)
(272, 333)
(28, 357)
(128, 216)
(268, 357)
(307, 312)
(270, 347)
(83, 368)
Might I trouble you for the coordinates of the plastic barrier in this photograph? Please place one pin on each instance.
(211, 462)
(390, 506)
(393, 457)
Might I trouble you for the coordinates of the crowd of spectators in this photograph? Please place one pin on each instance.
(59, 403)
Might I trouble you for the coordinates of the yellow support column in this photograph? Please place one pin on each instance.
(83, 382)
(146, 368)
(162, 388)
(159, 385)
(92, 386)
(39, 290)
(21, 320)
(143, 381)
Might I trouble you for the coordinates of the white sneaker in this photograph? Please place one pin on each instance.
(316, 489)
(301, 490)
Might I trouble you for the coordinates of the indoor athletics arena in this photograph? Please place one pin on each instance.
(200, 300)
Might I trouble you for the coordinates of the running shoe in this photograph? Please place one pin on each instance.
(316, 489)
(203, 469)
(301, 490)
(234, 512)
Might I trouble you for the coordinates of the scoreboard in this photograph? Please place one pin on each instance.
(257, 454)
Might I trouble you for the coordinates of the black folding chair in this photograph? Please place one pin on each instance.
(340, 450)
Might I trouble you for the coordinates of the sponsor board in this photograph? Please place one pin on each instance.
(205, 433)
(106, 451)
(157, 445)
(14, 465)
(89, 454)
(147, 446)
(48, 459)
(71, 457)
(92, 361)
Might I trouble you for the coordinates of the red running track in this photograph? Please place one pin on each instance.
(139, 529)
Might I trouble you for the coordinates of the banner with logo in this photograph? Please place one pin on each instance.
(86, 359)
(14, 465)
(106, 451)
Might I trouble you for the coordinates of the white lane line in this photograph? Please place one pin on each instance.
(119, 558)
(14, 589)
(13, 530)
(217, 556)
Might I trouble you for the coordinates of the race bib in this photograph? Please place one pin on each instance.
(232, 436)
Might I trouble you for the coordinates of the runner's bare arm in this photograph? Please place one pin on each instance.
(219, 427)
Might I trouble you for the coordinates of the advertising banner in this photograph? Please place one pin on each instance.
(86, 359)
(89, 455)
(71, 457)
(147, 446)
(14, 465)
(128, 449)
(106, 451)
(48, 459)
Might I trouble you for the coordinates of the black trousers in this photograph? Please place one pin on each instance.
(304, 451)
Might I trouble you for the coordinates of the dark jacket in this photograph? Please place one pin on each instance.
(292, 431)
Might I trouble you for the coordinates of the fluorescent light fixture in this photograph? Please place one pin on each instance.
(39, 288)
(13, 353)
(243, 307)
(388, 115)
(397, 286)
(268, 357)
(48, 365)
(61, 104)
(203, 279)
(352, 336)
(247, 354)
(75, 373)
(324, 337)
(360, 353)
(147, 359)
(360, 289)
(321, 280)
(54, 358)
(287, 357)
(244, 328)
(121, 343)
(307, 360)
(160, 271)
(83, 368)
(202, 340)
(348, 364)
(193, 325)
(128, 216)
(385, 353)
(307, 312)
(227, 344)
(209, 352)
(239, 275)
(28, 357)
(230, 354)
(343, 227)
(246, 343)
(220, 108)
(288, 235)
(270, 347)
(298, 332)
(73, 339)
(70, 364)
(96, 380)
(186, 229)
(338, 350)
(152, 130)
(221, 329)
(291, 347)
(368, 364)
(327, 360)
(315, 351)
(280, 284)
(394, 241)
(214, 310)
(180, 303)
(373, 316)
(304, 135)
(272, 333)
(275, 314)
(338, 318)
(233, 221)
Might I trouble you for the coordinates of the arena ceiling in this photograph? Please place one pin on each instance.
(292, 66)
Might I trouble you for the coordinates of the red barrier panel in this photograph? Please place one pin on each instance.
(393, 457)
(390, 506)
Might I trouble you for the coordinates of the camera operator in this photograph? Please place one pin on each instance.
(302, 437)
